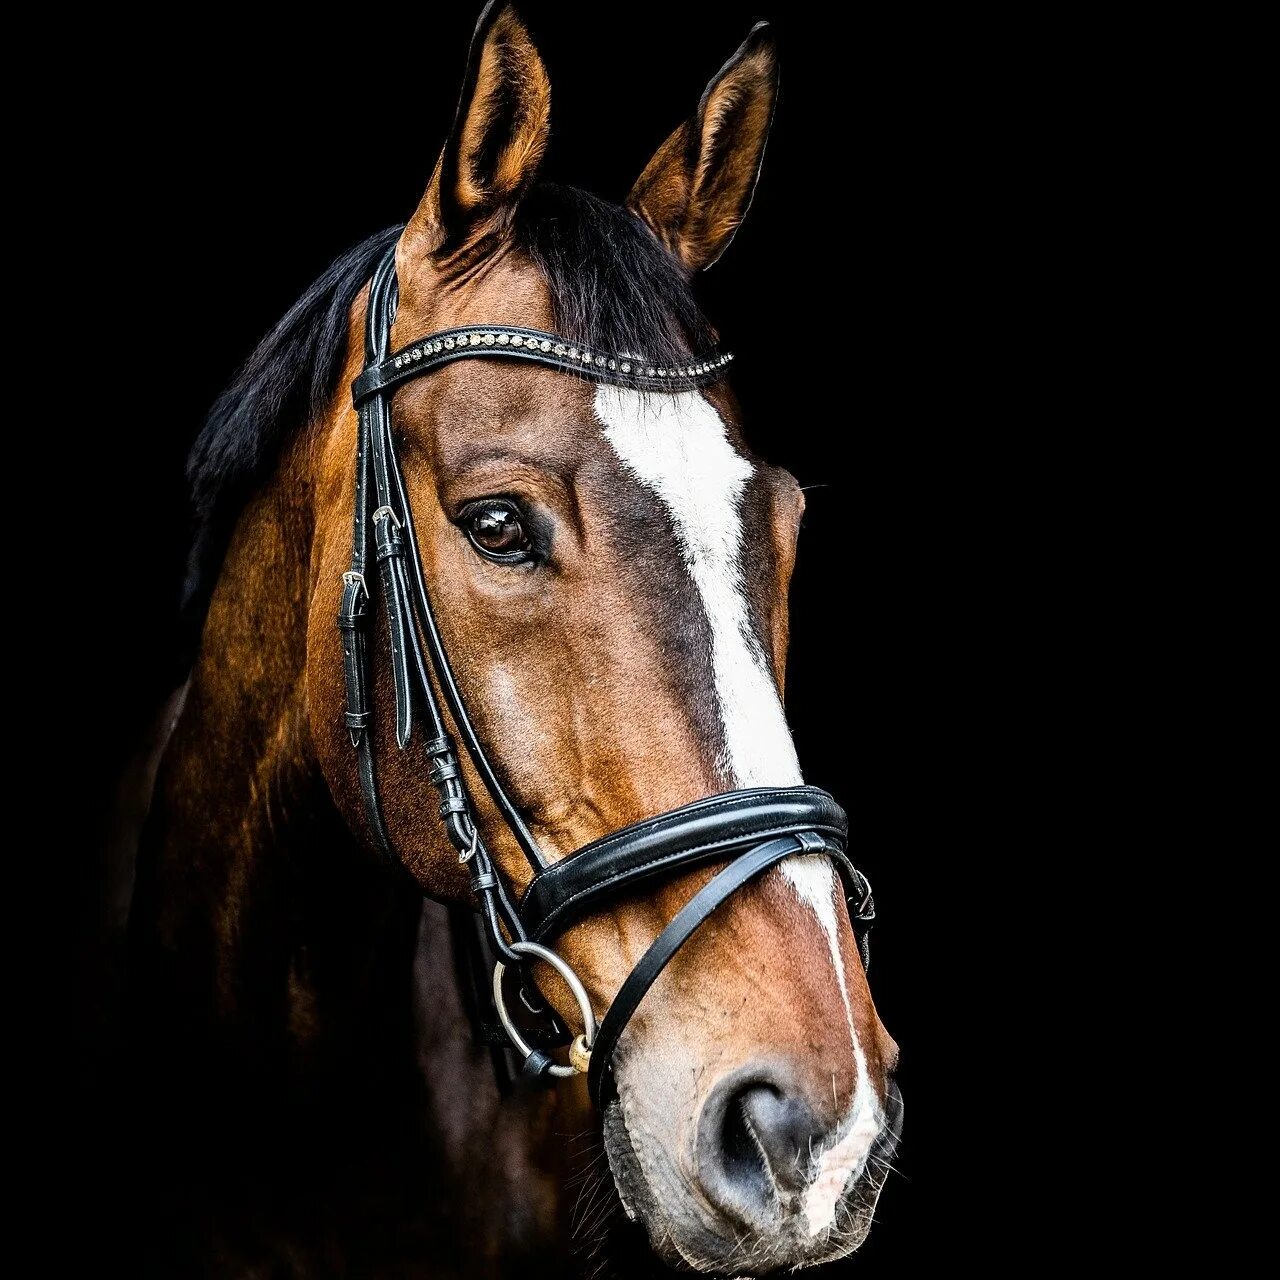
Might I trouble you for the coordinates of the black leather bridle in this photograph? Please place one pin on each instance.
(750, 830)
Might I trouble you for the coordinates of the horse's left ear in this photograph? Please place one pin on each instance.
(697, 188)
(496, 143)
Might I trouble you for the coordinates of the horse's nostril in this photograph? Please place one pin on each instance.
(744, 1159)
(785, 1129)
(754, 1145)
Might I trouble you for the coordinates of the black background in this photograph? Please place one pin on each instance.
(216, 188)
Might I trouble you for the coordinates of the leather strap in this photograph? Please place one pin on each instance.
(353, 618)
(443, 673)
(706, 831)
(378, 469)
(513, 342)
(353, 621)
(395, 607)
(683, 924)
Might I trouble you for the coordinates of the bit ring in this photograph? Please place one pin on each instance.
(580, 1055)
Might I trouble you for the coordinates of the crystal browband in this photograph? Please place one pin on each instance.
(541, 348)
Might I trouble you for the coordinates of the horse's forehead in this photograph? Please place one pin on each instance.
(481, 409)
(478, 410)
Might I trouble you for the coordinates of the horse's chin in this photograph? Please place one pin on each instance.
(687, 1237)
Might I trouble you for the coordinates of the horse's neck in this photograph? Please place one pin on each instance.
(274, 963)
(260, 928)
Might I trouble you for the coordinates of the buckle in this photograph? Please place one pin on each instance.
(467, 854)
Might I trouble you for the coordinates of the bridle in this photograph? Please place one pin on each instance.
(750, 830)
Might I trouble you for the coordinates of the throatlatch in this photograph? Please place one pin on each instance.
(750, 830)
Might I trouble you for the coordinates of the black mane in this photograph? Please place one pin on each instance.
(285, 383)
(611, 284)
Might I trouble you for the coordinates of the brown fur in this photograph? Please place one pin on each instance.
(276, 944)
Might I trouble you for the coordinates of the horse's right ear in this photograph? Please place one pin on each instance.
(495, 145)
(697, 188)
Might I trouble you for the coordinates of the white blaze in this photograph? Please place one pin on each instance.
(677, 447)
(676, 444)
(844, 1161)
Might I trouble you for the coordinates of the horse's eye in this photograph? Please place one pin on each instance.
(496, 530)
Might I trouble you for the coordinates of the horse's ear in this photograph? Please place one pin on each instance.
(495, 145)
(697, 188)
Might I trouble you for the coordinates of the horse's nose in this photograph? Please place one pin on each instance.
(756, 1139)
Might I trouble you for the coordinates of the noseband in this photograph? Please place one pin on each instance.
(748, 830)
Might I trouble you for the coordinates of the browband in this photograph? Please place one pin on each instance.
(513, 343)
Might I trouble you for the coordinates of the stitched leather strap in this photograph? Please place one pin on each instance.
(706, 831)
(353, 619)
(689, 918)
(395, 607)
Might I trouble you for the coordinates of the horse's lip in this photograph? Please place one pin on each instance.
(614, 1111)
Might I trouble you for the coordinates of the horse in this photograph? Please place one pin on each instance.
(608, 569)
